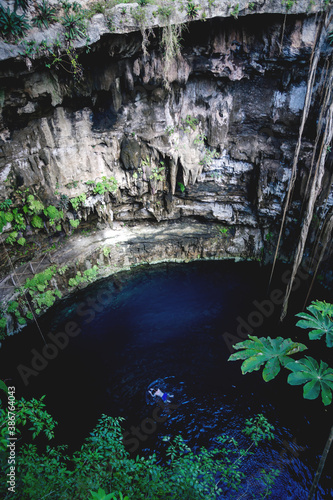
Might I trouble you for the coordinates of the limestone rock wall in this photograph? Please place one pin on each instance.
(212, 139)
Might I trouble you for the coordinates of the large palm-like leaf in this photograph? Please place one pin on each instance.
(320, 321)
(315, 377)
(273, 353)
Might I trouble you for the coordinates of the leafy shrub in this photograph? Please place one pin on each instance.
(37, 222)
(19, 222)
(53, 214)
(106, 185)
(33, 206)
(41, 280)
(47, 299)
(76, 202)
(11, 24)
(21, 241)
(11, 239)
(103, 461)
(88, 275)
(74, 223)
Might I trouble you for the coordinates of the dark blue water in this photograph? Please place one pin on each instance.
(168, 323)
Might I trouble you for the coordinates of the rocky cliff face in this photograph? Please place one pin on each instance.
(194, 149)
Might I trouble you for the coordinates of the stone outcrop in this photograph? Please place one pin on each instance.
(207, 144)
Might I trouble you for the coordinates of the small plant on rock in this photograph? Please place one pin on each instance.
(11, 24)
(192, 10)
(46, 14)
(74, 25)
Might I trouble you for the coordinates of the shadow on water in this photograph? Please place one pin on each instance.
(167, 323)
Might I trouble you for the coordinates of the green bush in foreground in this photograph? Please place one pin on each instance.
(103, 469)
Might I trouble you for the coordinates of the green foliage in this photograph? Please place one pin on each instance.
(103, 461)
(63, 202)
(33, 206)
(223, 230)
(46, 299)
(62, 270)
(4, 219)
(74, 25)
(317, 378)
(87, 276)
(21, 241)
(190, 123)
(30, 412)
(106, 251)
(330, 37)
(273, 353)
(320, 321)
(37, 222)
(252, 5)
(40, 281)
(288, 3)
(98, 7)
(105, 186)
(19, 222)
(3, 387)
(74, 223)
(235, 11)
(101, 495)
(200, 139)
(164, 11)
(208, 156)
(3, 326)
(23, 4)
(46, 14)
(268, 236)
(143, 2)
(181, 187)
(158, 173)
(11, 238)
(5, 204)
(53, 214)
(76, 202)
(192, 10)
(258, 429)
(11, 24)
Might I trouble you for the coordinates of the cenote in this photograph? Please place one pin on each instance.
(167, 322)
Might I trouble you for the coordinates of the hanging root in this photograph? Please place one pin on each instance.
(315, 187)
(171, 37)
(311, 80)
(325, 239)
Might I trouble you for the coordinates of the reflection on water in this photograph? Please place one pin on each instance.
(165, 324)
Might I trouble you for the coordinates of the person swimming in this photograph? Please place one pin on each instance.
(158, 393)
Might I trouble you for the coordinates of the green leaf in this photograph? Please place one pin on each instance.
(319, 321)
(3, 387)
(273, 353)
(317, 378)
